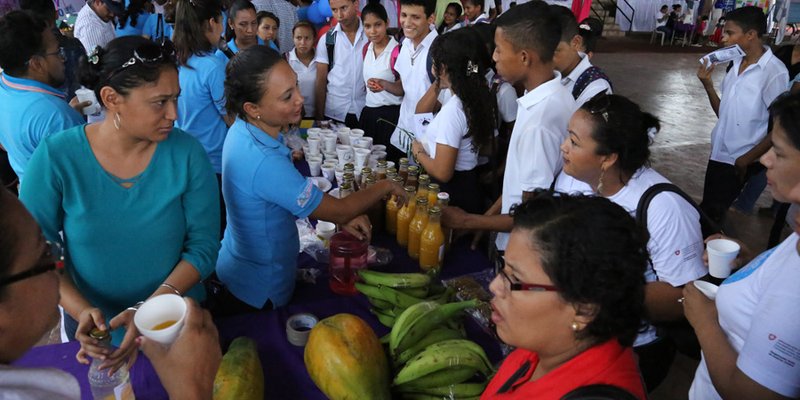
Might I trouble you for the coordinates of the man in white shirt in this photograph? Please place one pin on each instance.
(526, 39)
(95, 23)
(340, 90)
(416, 19)
(740, 136)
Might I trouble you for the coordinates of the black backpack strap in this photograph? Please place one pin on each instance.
(587, 77)
(330, 44)
(708, 226)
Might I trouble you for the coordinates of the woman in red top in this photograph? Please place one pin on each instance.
(570, 298)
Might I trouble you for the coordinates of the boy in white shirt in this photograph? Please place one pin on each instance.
(740, 135)
(526, 39)
(340, 92)
(416, 19)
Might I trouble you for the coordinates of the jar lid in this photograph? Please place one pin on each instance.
(99, 334)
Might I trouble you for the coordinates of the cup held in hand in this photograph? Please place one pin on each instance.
(721, 254)
(709, 289)
(161, 318)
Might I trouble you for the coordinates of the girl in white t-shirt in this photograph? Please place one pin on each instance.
(607, 153)
(750, 335)
(448, 150)
(384, 89)
(301, 59)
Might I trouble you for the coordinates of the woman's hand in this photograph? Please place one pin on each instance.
(699, 310)
(359, 227)
(126, 353)
(399, 193)
(89, 319)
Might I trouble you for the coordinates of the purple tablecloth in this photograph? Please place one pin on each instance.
(285, 375)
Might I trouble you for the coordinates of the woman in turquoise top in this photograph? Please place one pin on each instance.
(264, 193)
(242, 30)
(135, 198)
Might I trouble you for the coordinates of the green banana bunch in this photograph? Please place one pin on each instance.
(437, 359)
(386, 318)
(420, 292)
(455, 391)
(388, 294)
(395, 280)
(467, 345)
(435, 336)
(378, 303)
(445, 377)
(419, 319)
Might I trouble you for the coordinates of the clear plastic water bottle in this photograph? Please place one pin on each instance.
(105, 387)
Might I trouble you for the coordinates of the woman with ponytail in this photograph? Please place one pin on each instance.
(131, 23)
(466, 122)
(201, 106)
(607, 153)
(131, 198)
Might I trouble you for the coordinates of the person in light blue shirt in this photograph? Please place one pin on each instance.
(135, 198)
(242, 30)
(264, 193)
(133, 21)
(159, 26)
(30, 106)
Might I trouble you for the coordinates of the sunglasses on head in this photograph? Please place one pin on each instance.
(149, 55)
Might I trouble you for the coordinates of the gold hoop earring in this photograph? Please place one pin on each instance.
(600, 183)
(117, 120)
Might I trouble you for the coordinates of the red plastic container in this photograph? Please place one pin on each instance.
(347, 255)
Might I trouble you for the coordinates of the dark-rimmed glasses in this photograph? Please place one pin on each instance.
(55, 262)
(529, 287)
(598, 105)
(59, 52)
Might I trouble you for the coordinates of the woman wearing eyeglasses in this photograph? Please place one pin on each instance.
(607, 153)
(28, 310)
(569, 298)
(135, 198)
(751, 333)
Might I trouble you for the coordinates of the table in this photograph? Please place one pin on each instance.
(285, 376)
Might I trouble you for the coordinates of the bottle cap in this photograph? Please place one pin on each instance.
(433, 187)
(99, 334)
(422, 200)
(435, 210)
(443, 196)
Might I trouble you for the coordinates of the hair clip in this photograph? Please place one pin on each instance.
(585, 27)
(472, 68)
(651, 133)
(94, 57)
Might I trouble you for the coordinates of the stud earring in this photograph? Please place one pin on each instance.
(575, 327)
(258, 118)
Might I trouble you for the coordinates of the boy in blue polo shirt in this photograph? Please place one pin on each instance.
(30, 106)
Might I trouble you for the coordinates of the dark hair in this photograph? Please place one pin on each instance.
(191, 17)
(20, 39)
(377, 10)
(305, 24)
(266, 14)
(531, 26)
(749, 18)
(105, 65)
(428, 5)
(458, 10)
(131, 14)
(42, 9)
(246, 76)
(9, 237)
(567, 21)
(626, 131)
(462, 54)
(486, 34)
(477, 3)
(596, 254)
(786, 111)
(238, 5)
(663, 6)
(590, 35)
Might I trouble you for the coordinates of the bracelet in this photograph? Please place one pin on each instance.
(135, 307)
(174, 289)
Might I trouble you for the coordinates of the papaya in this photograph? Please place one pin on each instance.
(240, 376)
(346, 361)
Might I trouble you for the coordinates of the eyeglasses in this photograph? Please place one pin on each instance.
(598, 105)
(530, 287)
(149, 55)
(55, 262)
(60, 53)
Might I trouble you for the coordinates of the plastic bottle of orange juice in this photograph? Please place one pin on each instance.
(391, 210)
(431, 244)
(404, 216)
(416, 227)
